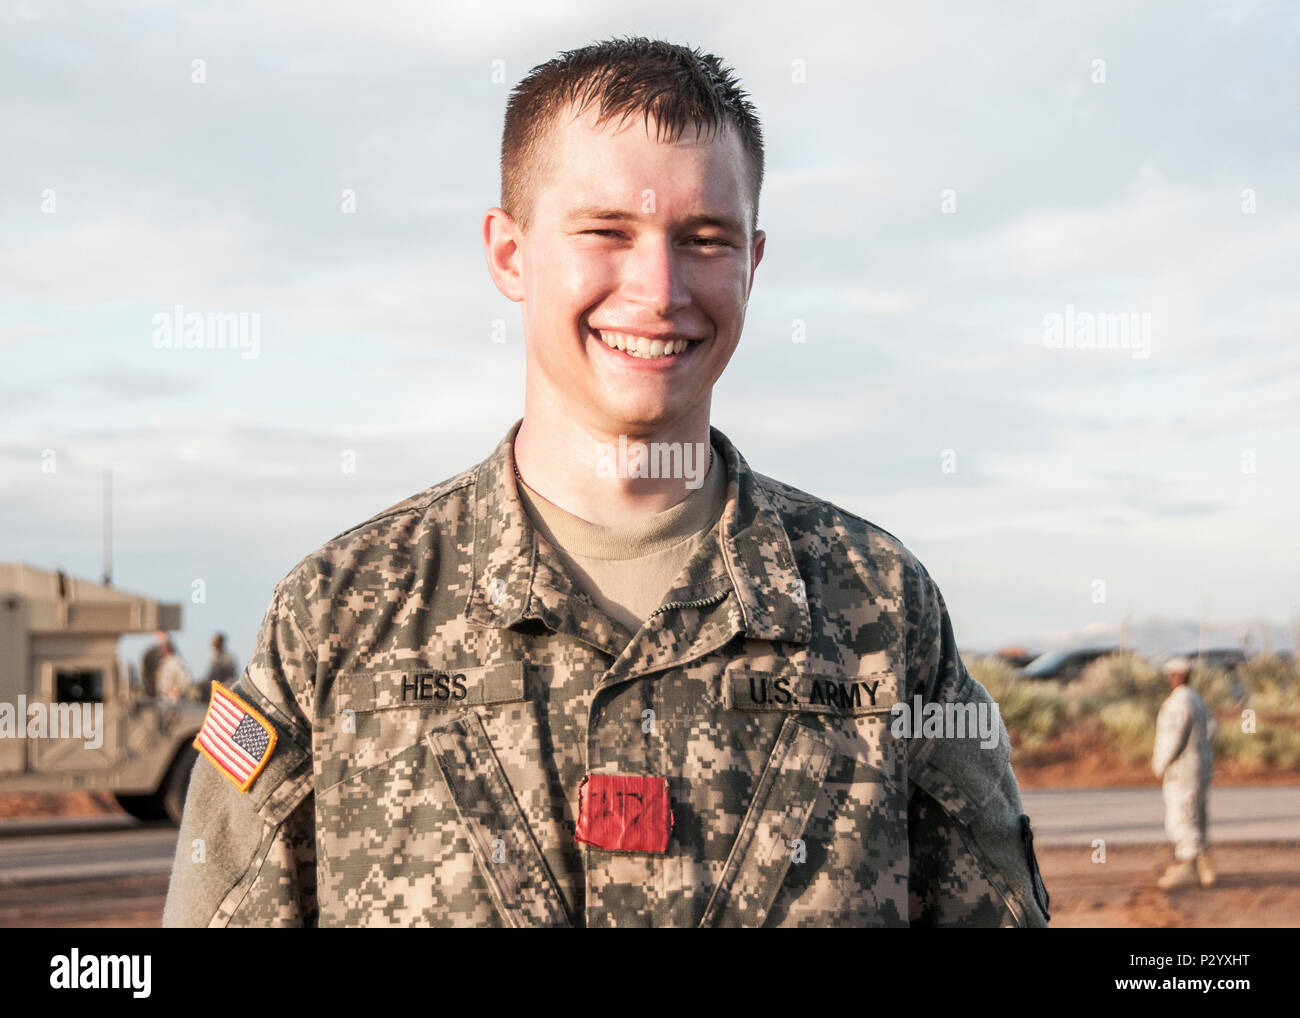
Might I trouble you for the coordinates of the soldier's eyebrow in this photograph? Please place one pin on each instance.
(592, 211)
(606, 213)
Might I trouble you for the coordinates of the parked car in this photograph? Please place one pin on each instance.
(1064, 665)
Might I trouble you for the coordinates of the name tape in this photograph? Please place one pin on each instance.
(438, 688)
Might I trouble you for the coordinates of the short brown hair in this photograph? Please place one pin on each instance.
(677, 86)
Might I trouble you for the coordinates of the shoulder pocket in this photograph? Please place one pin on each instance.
(1040, 889)
(977, 788)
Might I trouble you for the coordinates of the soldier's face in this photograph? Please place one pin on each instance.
(634, 239)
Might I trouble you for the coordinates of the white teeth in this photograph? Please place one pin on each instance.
(639, 346)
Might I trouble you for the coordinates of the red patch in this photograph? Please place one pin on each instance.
(624, 813)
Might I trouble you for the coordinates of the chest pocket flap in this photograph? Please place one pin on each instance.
(762, 853)
(379, 714)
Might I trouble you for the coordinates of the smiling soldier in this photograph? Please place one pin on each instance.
(610, 676)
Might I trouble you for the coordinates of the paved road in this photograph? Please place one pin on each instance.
(1135, 816)
(91, 848)
(84, 848)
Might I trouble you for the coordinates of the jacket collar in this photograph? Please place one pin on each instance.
(754, 557)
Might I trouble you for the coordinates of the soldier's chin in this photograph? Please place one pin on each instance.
(632, 412)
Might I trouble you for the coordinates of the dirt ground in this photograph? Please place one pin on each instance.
(69, 804)
(1258, 885)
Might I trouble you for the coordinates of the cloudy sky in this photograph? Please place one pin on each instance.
(941, 183)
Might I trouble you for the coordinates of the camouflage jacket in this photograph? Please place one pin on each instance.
(437, 688)
(1184, 747)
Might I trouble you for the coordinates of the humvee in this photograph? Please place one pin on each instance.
(59, 669)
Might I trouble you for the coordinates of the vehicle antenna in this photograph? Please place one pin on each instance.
(108, 528)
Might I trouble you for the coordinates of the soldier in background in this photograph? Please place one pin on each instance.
(149, 664)
(1184, 759)
(222, 669)
(173, 676)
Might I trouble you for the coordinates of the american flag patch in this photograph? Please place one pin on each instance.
(236, 738)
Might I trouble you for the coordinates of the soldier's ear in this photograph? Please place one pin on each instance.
(501, 242)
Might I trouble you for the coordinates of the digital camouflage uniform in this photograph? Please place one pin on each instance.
(1184, 758)
(770, 669)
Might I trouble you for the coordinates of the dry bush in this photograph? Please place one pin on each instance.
(1122, 694)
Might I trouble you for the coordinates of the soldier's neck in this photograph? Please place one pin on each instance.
(601, 474)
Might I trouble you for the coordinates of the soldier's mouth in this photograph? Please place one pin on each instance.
(643, 348)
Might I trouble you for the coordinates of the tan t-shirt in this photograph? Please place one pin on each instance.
(627, 569)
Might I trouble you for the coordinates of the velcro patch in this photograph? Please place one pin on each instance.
(812, 694)
(624, 813)
(235, 737)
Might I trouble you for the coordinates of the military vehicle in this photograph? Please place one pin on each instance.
(59, 671)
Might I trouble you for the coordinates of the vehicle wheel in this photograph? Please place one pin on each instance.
(142, 807)
(177, 783)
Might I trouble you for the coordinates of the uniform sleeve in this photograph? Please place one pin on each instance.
(972, 860)
(249, 858)
(1173, 727)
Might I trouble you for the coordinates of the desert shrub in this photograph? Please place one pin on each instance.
(1122, 693)
(1273, 745)
(1222, 690)
(992, 673)
(1033, 710)
(1132, 727)
(1270, 683)
(1122, 676)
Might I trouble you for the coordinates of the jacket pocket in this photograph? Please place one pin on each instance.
(762, 853)
(376, 716)
(505, 849)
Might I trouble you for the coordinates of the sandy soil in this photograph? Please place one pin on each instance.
(1258, 885)
(69, 804)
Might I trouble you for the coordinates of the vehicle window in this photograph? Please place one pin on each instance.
(1046, 663)
(79, 685)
